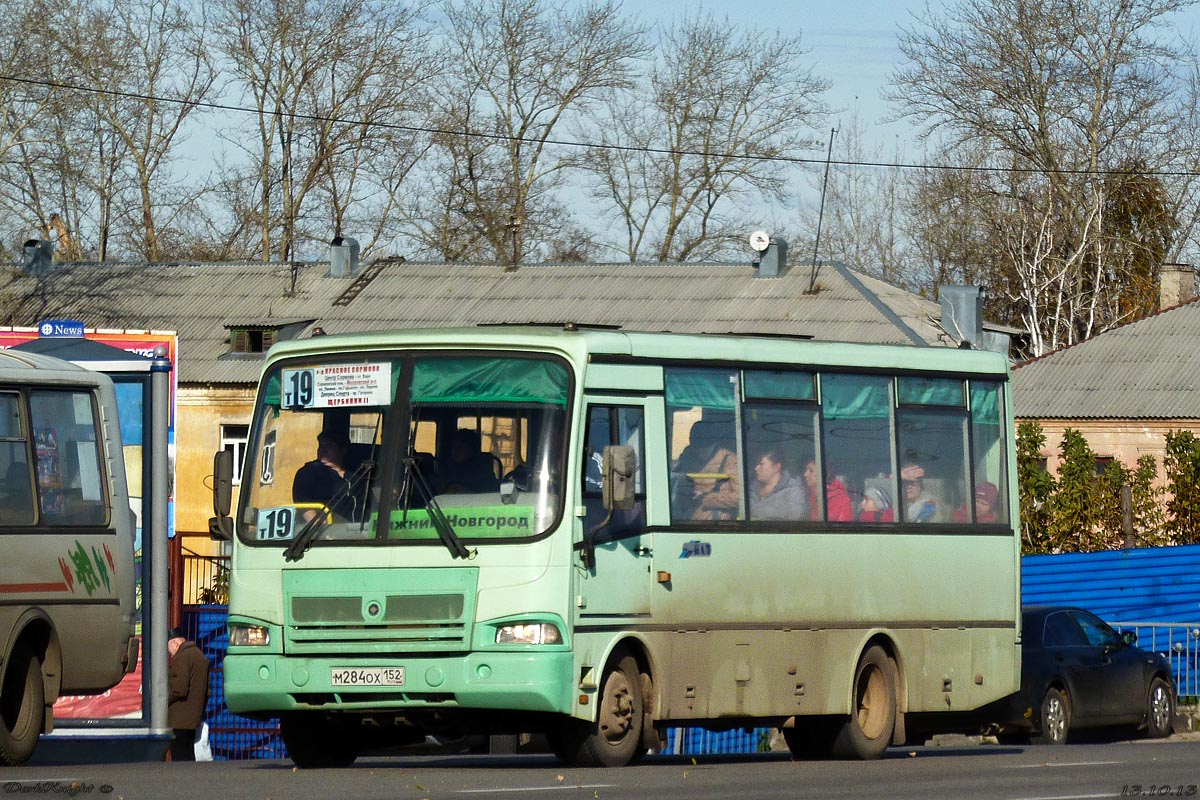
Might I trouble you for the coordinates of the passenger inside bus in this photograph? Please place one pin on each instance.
(779, 495)
(838, 506)
(329, 475)
(17, 505)
(986, 495)
(920, 504)
(710, 465)
(876, 505)
(466, 469)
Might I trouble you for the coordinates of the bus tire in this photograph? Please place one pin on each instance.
(615, 738)
(313, 742)
(811, 737)
(22, 706)
(868, 731)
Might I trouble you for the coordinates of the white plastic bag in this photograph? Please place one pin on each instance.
(203, 751)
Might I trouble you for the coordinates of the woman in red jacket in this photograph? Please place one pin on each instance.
(838, 507)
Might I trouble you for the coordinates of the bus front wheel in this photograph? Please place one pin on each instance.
(22, 706)
(868, 731)
(614, 739)
(313, 742)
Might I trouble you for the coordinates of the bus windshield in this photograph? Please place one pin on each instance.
(390, 448)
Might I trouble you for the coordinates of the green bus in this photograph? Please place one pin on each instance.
(67, 594)
(598, 534)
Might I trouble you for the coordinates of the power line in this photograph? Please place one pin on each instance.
(502, 137)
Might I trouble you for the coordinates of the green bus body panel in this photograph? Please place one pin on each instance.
(626, 377)
(764, 624)
(484, 680)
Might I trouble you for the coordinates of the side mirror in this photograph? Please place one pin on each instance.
(220, 527)
(1129, 637)
(619, 466)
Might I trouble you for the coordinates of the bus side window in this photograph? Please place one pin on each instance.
(16, 499)
(72, 487)
(612, 425)
(16, 490)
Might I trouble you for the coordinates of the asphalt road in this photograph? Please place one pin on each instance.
(1168, 768)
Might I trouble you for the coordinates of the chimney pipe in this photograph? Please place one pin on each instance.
(343, 257)
(1176, 284)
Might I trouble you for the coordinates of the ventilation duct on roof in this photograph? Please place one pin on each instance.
(771, 262)
(38, 255)
(343, 257)
(962, 318)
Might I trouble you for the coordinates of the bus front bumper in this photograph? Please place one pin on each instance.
(520, 681)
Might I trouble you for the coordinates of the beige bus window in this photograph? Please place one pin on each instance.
(70, 482)
(16, 488)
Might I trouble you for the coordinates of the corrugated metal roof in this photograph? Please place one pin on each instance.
(1149, 369)
(199, 301)
(1151, 584)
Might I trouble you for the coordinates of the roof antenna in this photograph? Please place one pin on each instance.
(816, 265)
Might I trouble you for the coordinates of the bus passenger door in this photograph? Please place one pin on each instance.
(618, 582)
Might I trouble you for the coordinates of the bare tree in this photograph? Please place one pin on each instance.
(1048, 99)
(148, 62)
(518, 71)
(333, 84)
(698, 137)
(31, 105)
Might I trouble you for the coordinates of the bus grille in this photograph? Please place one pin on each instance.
(433, 615)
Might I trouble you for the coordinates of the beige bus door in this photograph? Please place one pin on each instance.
(617, 573)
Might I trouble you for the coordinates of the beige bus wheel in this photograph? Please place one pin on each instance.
(811, 737)
(22, 707)
(615, 738)
(868, 731)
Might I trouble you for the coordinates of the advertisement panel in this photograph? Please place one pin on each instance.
(125, 700)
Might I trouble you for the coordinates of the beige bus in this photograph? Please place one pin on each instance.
(67, 609)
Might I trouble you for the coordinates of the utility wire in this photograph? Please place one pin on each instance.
(503, 137)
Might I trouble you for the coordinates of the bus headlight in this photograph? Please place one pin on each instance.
(529, 633)
(248, 635)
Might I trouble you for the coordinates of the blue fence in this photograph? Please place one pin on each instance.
(1161, 584)
(231, 737)
(1153, 591)
(697, 741)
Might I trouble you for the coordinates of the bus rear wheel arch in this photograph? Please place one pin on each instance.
(614, 739)
(22, 705)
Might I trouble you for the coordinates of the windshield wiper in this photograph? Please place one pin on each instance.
(313, 528)
(441, 524)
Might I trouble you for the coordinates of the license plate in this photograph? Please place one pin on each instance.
(367, 676)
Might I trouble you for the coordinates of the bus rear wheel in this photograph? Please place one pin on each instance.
(22, 707)
(314, 742)
(615, 738)
(868, 731)
(811, 737)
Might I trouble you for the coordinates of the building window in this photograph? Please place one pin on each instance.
(251, 340)
(1102, 463)
(233, 440)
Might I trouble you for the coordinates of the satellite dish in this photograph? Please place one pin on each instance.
(759, 240)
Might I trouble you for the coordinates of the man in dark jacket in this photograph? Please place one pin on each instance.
(187, 693)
